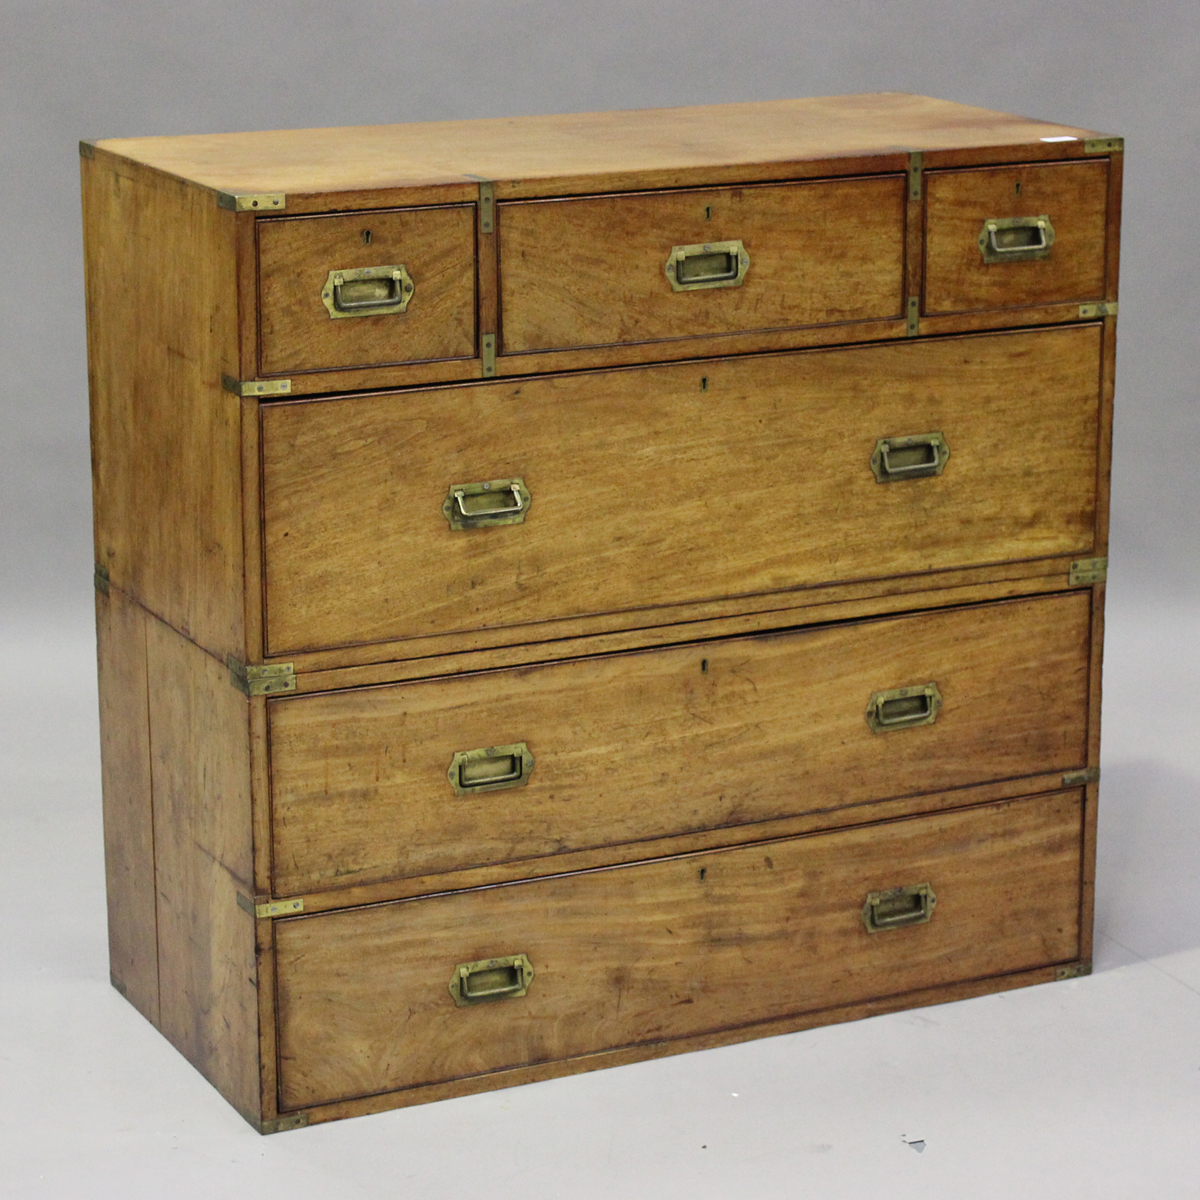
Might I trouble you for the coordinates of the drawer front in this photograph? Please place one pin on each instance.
(669, 948)
(666, 485)
(593, 271)
(309, 321)
(1012, 268)
(664, 742)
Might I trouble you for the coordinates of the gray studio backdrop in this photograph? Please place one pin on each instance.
(71, 69)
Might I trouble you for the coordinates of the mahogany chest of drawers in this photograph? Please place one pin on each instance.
(575, 589)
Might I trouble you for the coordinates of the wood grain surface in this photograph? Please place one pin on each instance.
(645, 745)
(590, 271)
(1073, 195)
(424, 658)
(724, 837)
(537, 148)
(166, 438)
(670, 948)
(517, 1076)
(435, 245)
(128, 801)
(1112, 270)
(673, 484)
(1099, 594)
(1087, 902)
(200, 762)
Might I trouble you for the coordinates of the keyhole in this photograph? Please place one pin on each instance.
(708, 212)
(1018, 189)
(703, 872)
(704, 664)
(704, 383)
(366, 237)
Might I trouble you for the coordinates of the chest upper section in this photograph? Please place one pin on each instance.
(403, 255)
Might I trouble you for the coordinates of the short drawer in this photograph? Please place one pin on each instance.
(368, 289)
(999, 237)
(671, 948)
(372, 784)
(673, 484)
(649, 266)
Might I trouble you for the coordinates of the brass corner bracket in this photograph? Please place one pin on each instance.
(487, 206)
(271, 908)
(256, 387)
(282, 1124)
(1073, 970)
(256, 202)
(915, 165)
(1088, 570)
(261, 680)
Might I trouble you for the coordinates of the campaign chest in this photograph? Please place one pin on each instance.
(576, 589)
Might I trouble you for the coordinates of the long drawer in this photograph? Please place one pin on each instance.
(376, 999)
(643, 267)
(366, 785)
(666, 485)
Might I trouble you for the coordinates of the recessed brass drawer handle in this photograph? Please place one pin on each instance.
(917, 456)
(903, 708)
(707, 265)
(367, 291)
(490, 769)
(491, 979)
(1015, 239)
(478, 505)
(912, 905)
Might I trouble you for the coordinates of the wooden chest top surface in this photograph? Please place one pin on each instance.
(581, 144)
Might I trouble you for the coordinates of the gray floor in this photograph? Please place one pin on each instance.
(1083, 1089)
